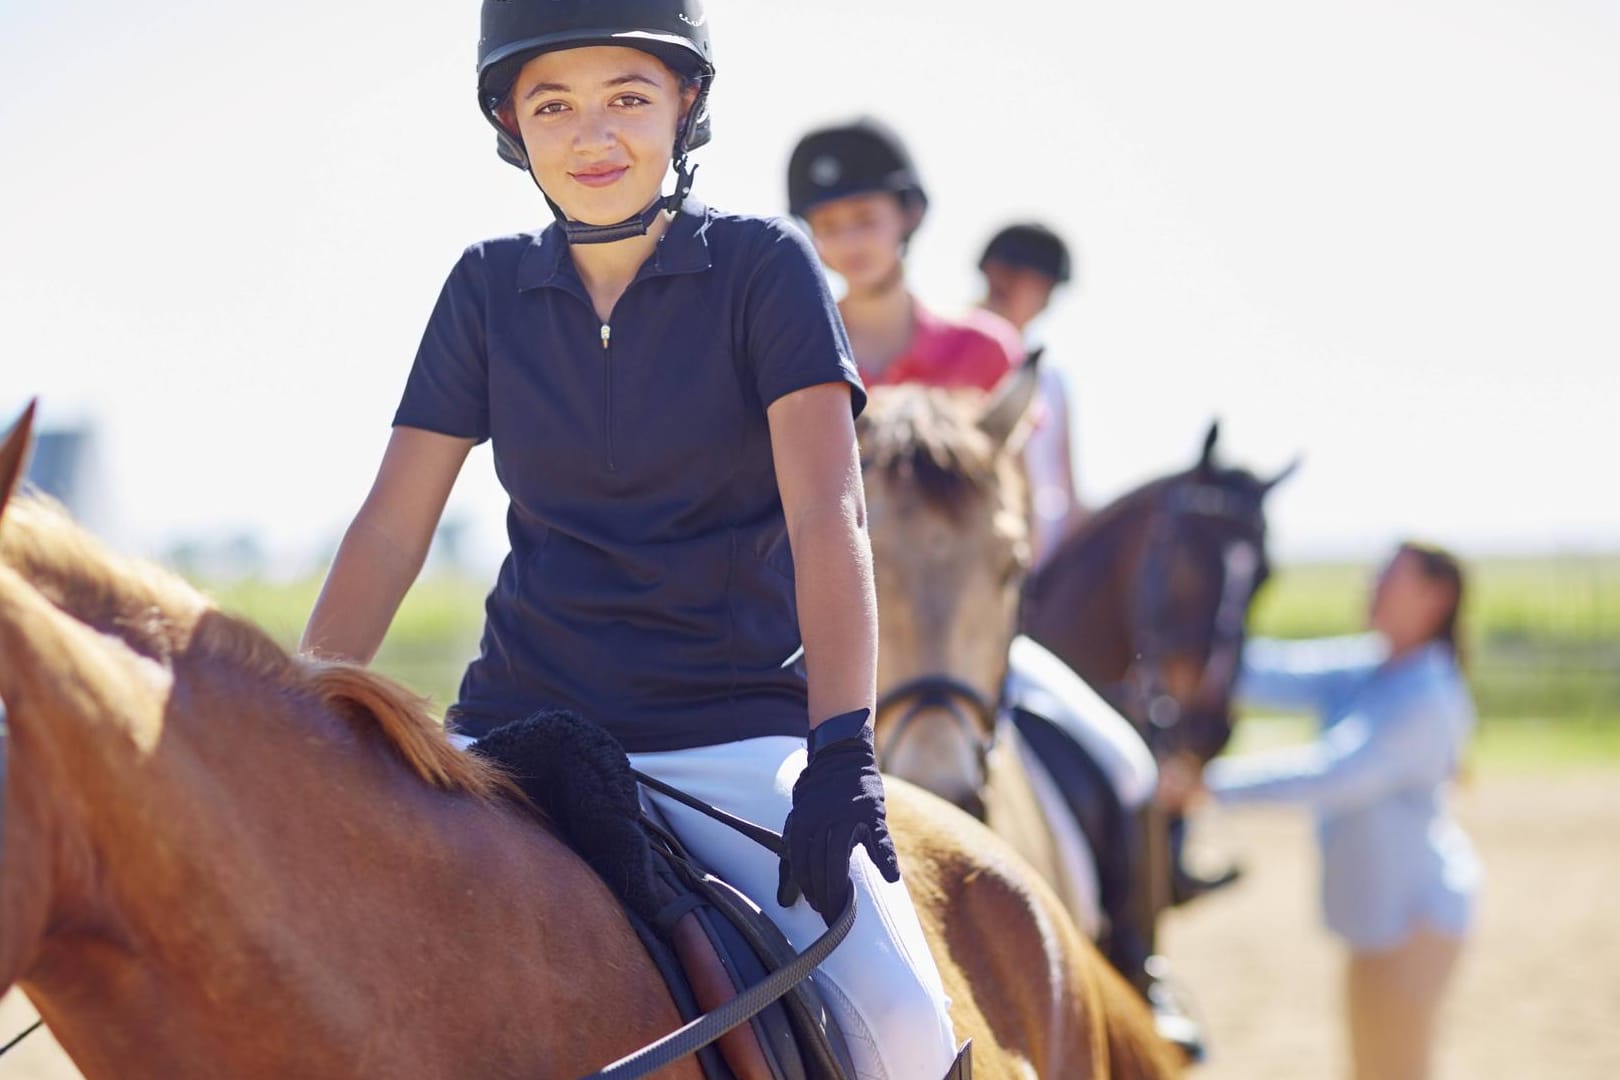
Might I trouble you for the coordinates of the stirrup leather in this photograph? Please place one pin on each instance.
(962, 1067)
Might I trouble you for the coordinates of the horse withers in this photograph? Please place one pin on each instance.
(220, 859)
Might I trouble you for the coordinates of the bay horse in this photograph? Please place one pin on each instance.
(221, 859)
(1148, 599)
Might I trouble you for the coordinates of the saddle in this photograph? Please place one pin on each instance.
(578, 776)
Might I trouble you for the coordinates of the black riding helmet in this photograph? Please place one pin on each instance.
(513, 32)
(852, 159)
(1032, 246)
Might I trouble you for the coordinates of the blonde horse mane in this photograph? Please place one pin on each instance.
(929, 438)
(160, 616)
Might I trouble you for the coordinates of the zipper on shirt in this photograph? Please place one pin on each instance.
(607, 376)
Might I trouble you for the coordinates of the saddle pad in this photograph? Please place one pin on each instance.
(1089, 797)
(1040, 682)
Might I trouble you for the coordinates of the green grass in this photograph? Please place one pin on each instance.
(1543, 637)
(432, 638)
(1501, 746)
(1571, 600)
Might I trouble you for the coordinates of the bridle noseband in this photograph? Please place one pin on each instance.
(972, 712)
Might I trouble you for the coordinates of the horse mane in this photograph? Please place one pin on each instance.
(158, 615)
(1127, 505)
(928, 438)
(1102, 531)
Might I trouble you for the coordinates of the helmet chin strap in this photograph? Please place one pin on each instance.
(578, 232)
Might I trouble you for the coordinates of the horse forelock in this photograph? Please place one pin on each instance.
(161, 617)
(928, 440)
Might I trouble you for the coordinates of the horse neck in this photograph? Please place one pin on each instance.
(1079, 604)
(243, 880)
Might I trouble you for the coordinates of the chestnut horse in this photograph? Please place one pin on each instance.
(220, 859)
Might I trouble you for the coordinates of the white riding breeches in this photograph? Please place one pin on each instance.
(881, 982)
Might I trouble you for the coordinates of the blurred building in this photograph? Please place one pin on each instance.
(59, 465)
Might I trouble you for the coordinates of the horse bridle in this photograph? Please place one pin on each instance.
(975, 714)
(1146, 687)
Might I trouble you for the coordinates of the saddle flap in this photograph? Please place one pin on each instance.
(798, 1034)
(578, 775)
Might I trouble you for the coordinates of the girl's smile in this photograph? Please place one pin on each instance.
(600, 176)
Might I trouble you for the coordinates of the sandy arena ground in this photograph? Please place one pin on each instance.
(1538, 995)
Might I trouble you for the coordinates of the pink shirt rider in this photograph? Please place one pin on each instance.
(949, 354)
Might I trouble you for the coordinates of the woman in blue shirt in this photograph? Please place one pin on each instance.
(670, 398)
(1398, 875)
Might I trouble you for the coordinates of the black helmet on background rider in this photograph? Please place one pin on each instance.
(858, 158)
(513, 32)
(1032, 246)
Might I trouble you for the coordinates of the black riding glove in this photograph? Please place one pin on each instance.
(837, 804)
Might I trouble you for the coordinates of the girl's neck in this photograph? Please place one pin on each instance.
(880, 322)
(606, 270)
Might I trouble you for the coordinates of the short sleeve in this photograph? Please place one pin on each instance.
(795, 337)
(448, 388)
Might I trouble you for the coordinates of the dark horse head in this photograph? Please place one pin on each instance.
(1148, 600)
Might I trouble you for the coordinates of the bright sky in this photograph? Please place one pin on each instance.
(1384, 234)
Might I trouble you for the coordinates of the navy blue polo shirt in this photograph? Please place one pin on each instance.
(649, 583)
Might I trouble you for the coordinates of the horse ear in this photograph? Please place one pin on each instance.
(1009, 403)
(14, 454)
(1288, 470)
(1206, 460)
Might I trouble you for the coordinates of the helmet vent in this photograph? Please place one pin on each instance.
(826, 170)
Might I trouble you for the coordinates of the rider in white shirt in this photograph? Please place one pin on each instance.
(1023, 266)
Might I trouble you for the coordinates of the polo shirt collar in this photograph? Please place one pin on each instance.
(683, 249)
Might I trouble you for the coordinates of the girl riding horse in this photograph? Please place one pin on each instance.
(670, 396)
(220, 859)
(1023, 266)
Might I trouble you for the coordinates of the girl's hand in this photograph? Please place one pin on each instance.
(1181, 785)
(837, 804)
